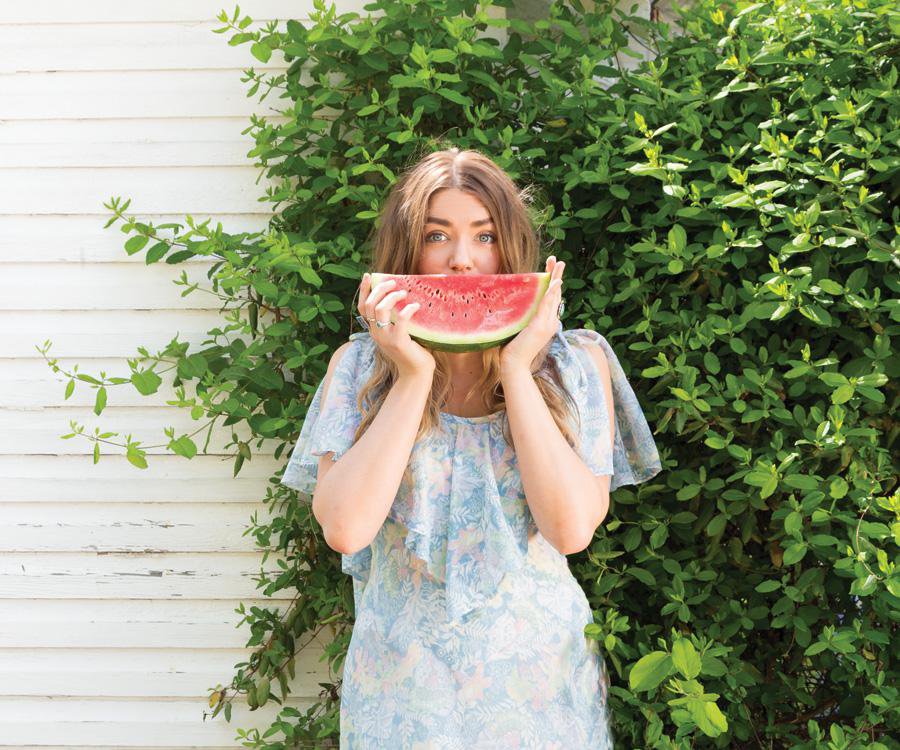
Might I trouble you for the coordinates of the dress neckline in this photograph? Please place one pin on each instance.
(481, 418)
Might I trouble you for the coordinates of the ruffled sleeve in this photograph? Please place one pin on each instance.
(330, 426)
(633, 457)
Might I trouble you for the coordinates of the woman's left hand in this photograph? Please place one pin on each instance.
(528, 343)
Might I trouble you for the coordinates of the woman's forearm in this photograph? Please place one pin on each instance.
(352, 500)
(565, 498)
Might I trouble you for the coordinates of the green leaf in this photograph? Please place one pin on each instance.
(733, 200)
(707, 716)
(399, 81)
(659, 536)
(180, 256)
(843, 394)
(70, 387)
(650, 671)
(816, 313)
(310, 276)
(135, 457)
(443, 55)
(368, 110)
(343, 270)
(793, 522)
(677, 238)
(838, 488)
(100, 400)
(795, 553)
(647, 170)
(644, 576)
(271, 425)
(768, 586)
(454, 96)
(711, 363)
(183, 446)
(156, 252)
(816, 648)
(712, 666)
(262, 690)
(685, 658)
(136, 244)
(717, 525)
(261, 51)
(146, 382)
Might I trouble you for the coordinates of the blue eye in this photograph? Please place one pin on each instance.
(430, 235)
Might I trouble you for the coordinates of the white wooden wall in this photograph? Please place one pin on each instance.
(118, 586)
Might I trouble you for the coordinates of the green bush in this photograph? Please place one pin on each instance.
(727, 214)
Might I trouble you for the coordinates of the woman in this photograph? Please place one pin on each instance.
(454, 484)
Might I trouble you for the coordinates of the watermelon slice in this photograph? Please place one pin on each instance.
(467, 313)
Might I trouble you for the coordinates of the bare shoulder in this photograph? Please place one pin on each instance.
(600, 359)
(338, 353)
(599, 356)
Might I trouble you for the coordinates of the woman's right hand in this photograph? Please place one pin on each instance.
(410, 357)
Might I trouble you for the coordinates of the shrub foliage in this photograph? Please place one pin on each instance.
(727, 213)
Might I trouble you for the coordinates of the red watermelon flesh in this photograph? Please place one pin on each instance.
(471, 312)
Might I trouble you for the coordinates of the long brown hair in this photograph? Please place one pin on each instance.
(398, 243)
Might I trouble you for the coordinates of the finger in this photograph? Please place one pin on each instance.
(383, 308)
(558, 269)
(551, 298)
(376, 294)
(405, 314)
(363, 292)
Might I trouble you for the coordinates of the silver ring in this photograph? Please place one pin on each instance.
(379, 324)
(561, 309)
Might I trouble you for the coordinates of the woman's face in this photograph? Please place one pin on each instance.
(460, 237)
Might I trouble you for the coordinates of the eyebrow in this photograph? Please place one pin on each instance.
(444, 222)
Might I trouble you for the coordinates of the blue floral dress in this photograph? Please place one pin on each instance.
(469, 629)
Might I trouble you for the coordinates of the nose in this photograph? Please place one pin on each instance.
(461, 258)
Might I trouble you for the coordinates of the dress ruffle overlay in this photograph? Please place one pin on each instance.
(469, 627)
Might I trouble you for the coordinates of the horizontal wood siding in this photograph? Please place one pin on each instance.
(118, 587)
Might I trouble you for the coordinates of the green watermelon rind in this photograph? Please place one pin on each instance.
(473, 342)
